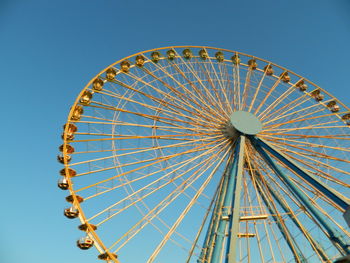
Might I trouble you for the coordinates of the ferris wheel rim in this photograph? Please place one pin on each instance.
(76, 202)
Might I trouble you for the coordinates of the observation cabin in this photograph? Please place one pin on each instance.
(85, 243)
(71, 212)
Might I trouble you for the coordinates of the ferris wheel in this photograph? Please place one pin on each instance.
(199, 154)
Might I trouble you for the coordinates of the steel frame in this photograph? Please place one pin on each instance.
(225, 218)
(330, 193)
(334, 235)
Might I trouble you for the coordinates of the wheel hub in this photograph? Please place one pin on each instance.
(242, 122)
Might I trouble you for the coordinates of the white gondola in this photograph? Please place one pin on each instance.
(155, 56)
(139, 60)
(219, 56)
(69, 148)
(70, 132)
(236, 59)
(85, 227)
(187, 53)
(85, 243)
(77, 112)
(268, 70)
(346, 118)
(97, 84)
(335, 108)
(301, 85)
(319, 97)
(85, 99)
(203, 54)
(63, 184)
(71, 212)
(61, 158)
(69, 172)
(285, 77)
(105, 256)
(171, 54)
(111, 73)
(125, 66)
(70, 199)
(252, 64)
(316, 94)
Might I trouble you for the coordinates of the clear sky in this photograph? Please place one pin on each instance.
(49, 50)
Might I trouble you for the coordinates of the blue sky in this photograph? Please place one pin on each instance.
(51, 49)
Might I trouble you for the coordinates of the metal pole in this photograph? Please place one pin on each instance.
(287, 210)
(210, 235)
(284, 231)
(233, 188)
(280, 200)
(332, 194)
(231, 247)
(335, 236)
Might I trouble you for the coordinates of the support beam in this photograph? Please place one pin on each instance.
(291, 215)
(298, 256)
(231, 247)
(334, 235)
(233, 189)
(345, 259)
(287, 210)
(332, 194)
(346, 216)
(214, 220)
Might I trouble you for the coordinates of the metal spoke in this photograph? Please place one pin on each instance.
(199, 154)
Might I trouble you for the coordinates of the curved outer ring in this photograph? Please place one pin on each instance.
(91, 232)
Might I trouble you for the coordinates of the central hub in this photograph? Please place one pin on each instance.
(242, 122)
(245, 122)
